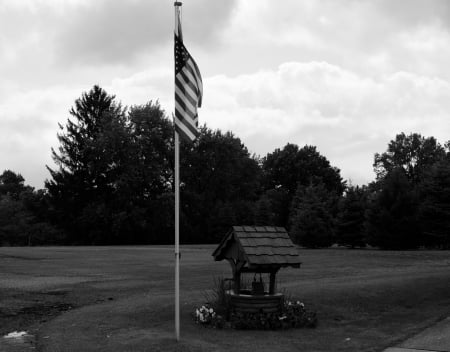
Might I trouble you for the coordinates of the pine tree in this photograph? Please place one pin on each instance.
(435, 206)
(392, 217)
(264, 215)
(350, 219)
(311, 221)
(90, 160)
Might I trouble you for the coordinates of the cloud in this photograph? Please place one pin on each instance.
(415, 12)
(153, 84)
(345, 76)
(48, 41)
(347, 115)
(119, 31)
(380, 36)
(29, 124)
(29, 119)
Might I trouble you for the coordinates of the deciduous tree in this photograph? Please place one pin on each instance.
(220, 180)
(413, 153)
(286, 169)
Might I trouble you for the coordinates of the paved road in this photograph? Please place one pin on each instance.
(433, 339)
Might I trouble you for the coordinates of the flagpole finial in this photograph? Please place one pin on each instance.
(177, 3)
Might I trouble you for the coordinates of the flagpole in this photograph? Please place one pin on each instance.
(177, 237)
(177, 215)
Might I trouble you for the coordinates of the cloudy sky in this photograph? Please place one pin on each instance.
(343, 75)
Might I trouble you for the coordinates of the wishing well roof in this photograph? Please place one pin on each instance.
(258, 246)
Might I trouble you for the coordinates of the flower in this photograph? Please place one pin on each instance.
(205, 315)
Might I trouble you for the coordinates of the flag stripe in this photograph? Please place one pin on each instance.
(183, 135)
(184, 78)
(196, 73)
(193, 69)
(184, 107)
(188, 137)
(188, 89)
(189, 122)
(185, 131)
(185, 89)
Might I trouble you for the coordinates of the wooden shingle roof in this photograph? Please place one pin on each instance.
(258, 246)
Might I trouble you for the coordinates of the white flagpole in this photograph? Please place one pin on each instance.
(177, 237)
(177, 216)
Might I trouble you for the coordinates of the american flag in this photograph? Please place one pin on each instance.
(188, 89)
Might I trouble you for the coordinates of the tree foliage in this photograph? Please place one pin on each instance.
(413, 153)
(312, 222)
(392, 218)
(350, 229)
(12, 184)
(114, 167)
(151, 169)
(435, 206)
(286, 169)
(292, 166)
(90, 162)
(220, 183)
(114, 184)
(409, 207)
(264, 214)
(115, 178)
(23, 213)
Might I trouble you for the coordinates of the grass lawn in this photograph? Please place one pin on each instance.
(121, 299)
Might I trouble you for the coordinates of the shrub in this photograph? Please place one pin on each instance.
(217, 297)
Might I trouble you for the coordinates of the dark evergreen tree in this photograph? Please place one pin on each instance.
(91, 161)
(114, 171)
(264, 215)
(350, 220)
(160, 221)
(223, 216)
(311, 220)
(15, 222)
(392, 216)
(435, 206)
(279, 202)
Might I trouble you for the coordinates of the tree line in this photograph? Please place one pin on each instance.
(113, 184)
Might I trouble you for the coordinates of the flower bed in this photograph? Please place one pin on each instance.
(293, 315)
